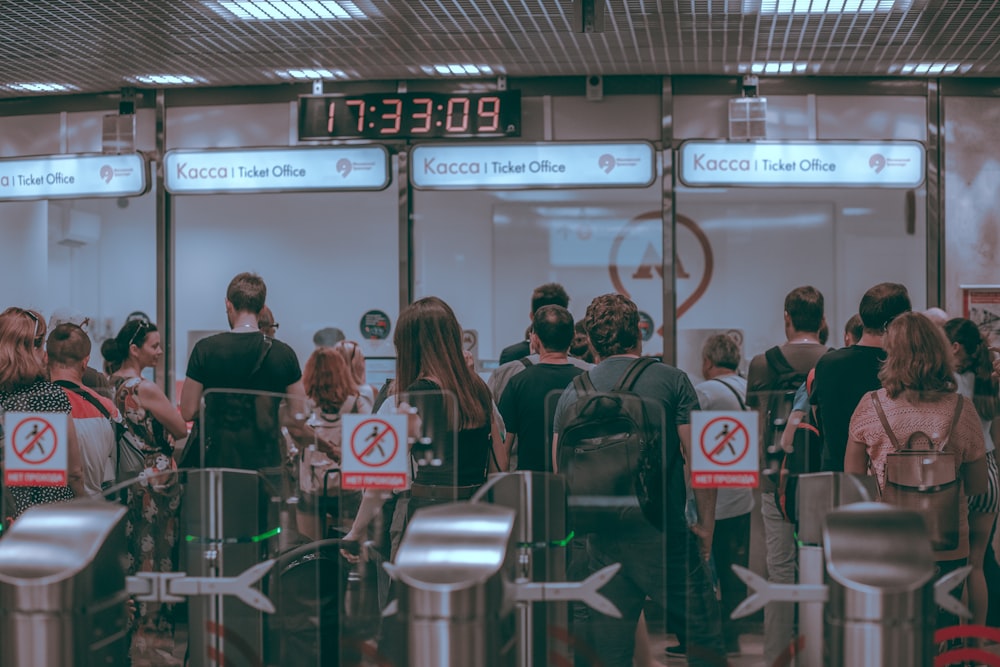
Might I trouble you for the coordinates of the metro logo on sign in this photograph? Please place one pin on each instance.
(35, 449)
(725, 449)
(375, 453)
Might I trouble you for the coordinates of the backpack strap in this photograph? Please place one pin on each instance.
(260, 359)
(954, 421)
(885, 422)
(777, 361)
(526, 362)
(632, 373)
(583, 384)
(85, 395)
(743, 405)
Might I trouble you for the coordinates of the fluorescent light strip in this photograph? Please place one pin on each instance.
(823, 6)
(457, 69)
(776, 68)
(290, 10)
(930, 68)
(40, 87)
(165, 79)
(313, 74)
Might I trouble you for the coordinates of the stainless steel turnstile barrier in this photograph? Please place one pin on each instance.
(541, 536)
(456, 570)
(882, 599)
(817, 494)
(878, 589)
(62, 587)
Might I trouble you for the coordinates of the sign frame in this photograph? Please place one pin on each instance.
(173, 153)
(743, 470)
(390, 473)
(142, 166)
(747, 147)
(19, 471)
(986, 300)
(499, 147)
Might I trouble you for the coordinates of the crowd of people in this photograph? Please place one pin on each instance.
(900, 376)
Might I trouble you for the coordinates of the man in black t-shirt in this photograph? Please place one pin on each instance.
(549, 294)
(844, 376)
(243, 428)
(528, 403)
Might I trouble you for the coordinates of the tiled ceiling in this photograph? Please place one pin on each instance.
(104, 45)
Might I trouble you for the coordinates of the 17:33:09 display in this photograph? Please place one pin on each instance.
(410, 115)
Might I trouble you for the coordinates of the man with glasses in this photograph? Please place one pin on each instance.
(92, 378)
(266, 323)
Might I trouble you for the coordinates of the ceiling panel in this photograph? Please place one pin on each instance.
(103, 45)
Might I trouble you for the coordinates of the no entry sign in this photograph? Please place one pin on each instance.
(375, 452)
(35, 449)
(725, 449)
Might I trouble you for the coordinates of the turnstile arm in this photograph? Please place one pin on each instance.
(763, 591)
(585, 591)
(176, 586)
(943, 588)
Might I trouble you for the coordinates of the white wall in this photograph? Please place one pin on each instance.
(326, 257)
(110, 275)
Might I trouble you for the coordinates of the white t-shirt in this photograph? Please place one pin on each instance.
(712, 395)
(966, 385)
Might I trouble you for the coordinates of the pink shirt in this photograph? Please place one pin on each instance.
(934, 419)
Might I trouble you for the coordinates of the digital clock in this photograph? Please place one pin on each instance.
(410, 116)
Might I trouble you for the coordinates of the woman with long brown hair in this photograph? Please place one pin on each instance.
(454, 411)
(918, 395)
(332, 392)
(974, 373)
(25, 387)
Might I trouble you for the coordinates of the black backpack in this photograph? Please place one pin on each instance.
(611, 453)
(777, 405)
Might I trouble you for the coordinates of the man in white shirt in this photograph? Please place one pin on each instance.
(723, 389)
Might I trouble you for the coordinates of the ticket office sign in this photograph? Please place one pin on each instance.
(35, 449)
(724, 451)
(887, 164)
(276, 170)
(532, 166)
(73, 176)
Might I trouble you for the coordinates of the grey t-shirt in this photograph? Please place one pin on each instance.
(712, 395)
(663, 388)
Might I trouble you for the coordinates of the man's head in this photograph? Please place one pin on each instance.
(549, 294)
(328, 337)
(937, 316)
(68, 347)
(68, 315)
(552, 329)
(804, 310)
(881, 305)
(246, 294)
(612, 322)
(720, 352)
(266, 323)
(853, 330)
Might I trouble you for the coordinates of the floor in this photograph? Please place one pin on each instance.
(752, 654)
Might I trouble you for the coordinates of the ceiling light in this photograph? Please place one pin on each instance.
(309, 74)
(458, 69)
(288, 10)
(823, 6)
(776, 68)
(930, 68)
(166, 79)
(40, 87)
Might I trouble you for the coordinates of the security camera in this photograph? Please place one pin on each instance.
(595, 88)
